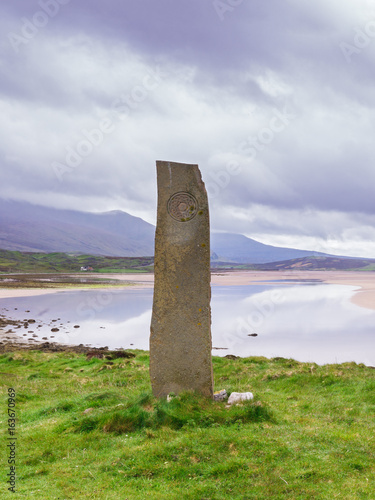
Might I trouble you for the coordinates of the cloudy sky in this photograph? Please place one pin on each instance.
(274, 99)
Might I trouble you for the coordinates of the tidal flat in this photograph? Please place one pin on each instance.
(308, 316)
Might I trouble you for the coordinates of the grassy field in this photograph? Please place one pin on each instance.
(22, 262)
(58, 262)
(90, 429)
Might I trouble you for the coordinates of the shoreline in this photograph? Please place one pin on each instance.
(363, 297)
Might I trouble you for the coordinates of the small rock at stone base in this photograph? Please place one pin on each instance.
(237, 397)
(220, 395)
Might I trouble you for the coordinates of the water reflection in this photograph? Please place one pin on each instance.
(308, 322)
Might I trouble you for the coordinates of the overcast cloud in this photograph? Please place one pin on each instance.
(274, 99)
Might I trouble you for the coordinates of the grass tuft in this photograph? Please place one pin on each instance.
(186, 410)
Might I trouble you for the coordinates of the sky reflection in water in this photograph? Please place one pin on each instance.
(307, 322)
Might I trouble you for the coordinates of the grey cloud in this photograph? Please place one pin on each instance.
(223, 81)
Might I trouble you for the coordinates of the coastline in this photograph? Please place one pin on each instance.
(363, 297)
(365, 281)
(363, 285)
(136, 282)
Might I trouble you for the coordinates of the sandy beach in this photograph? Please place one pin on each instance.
(364, 281)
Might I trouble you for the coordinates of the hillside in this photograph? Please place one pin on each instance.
(320, 263)
(238, 249)
(29, 262)
(30, 228)
(18, 262)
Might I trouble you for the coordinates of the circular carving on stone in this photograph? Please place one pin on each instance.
(182, 206)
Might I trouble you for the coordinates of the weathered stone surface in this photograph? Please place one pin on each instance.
(180, 341)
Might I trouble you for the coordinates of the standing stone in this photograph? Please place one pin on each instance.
(180, 341)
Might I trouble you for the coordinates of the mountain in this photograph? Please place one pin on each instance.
(229, 247)
(31, 228)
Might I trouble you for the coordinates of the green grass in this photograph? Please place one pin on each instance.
(124, 270)
(58, 262)
(370, 267)
(308, 434)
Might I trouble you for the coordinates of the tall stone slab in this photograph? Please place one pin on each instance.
(180, 340)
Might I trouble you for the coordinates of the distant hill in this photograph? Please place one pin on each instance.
(57, 262)
(28, 262)
(240, 249)
(319, 264)
(30, 228)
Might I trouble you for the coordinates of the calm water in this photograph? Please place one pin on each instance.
(308, 322)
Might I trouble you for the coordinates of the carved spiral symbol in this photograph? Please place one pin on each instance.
(182, 206)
